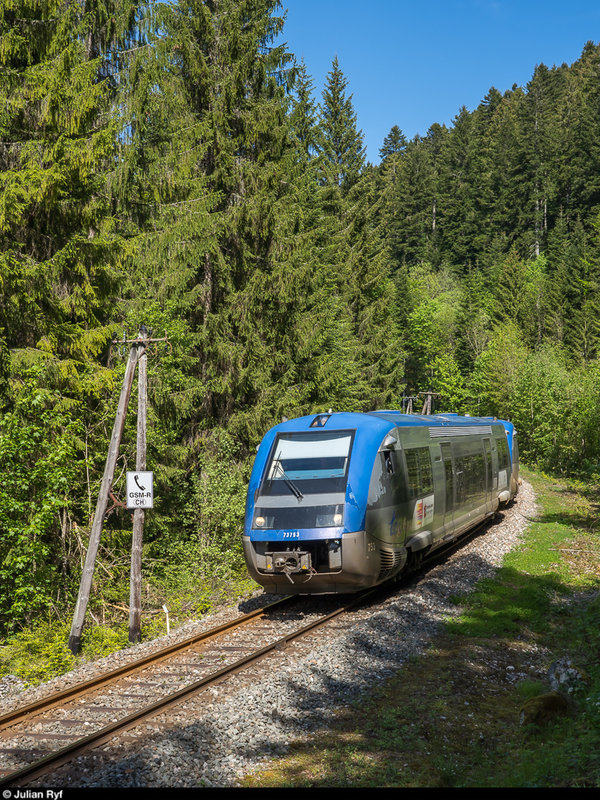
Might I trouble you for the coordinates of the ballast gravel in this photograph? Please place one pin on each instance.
(218, 737)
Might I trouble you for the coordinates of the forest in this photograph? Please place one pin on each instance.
(169, 164)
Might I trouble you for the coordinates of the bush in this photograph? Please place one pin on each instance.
(37, 654)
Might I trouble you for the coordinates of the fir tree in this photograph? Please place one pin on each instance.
(233, 249)
(417, 209)
(459, 172)
(539, 148)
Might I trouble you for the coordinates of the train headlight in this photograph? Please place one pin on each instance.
(259, 522)
(337, 519)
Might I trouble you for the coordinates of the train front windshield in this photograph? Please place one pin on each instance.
(315, 462)
(304, 483)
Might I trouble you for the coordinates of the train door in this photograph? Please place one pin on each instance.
(449, 484)
(487, 449)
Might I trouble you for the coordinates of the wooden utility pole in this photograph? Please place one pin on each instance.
(137, 353)
(135, 582)
(427, 405)
(102, 503)
(407, 404)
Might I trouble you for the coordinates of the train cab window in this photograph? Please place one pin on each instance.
(308, 463)
(389, 461)
(419, 472)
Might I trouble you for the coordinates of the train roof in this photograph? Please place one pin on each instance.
(382, 420)
(436, 420)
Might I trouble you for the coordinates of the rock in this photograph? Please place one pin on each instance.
(564, 677)
(544, 708)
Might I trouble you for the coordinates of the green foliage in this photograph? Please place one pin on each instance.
(585, 414)
(60, 254)
(449, 383)
(100, 641)
(214, 513)
(496, 371)
(38, 653)
(193, 577)
(40, 467)
(544, 399)
(430, 330)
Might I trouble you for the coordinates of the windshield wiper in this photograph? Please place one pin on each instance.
(277, 465)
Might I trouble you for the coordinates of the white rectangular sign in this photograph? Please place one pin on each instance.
(140, 490)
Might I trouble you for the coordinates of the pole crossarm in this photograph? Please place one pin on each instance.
(140, 340)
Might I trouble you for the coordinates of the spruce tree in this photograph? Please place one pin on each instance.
(415, 206)
(505, 184)
(390, 177)
(341, 142)
(578, 121)
(582, 294)
(233, 247)
(60, 250)
(539, 154)
(303, 114)
(459, 174)
(371, 295)
(393, 146)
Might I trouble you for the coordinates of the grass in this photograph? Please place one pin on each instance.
(452, 717)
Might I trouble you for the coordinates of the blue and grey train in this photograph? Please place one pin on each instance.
(339, 502)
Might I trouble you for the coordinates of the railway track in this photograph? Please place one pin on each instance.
(37, 738)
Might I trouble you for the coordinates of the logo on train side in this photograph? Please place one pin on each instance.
(423, 513)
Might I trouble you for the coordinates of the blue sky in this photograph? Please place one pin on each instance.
(411, 63)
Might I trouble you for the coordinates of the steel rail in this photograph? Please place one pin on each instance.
(69, 752)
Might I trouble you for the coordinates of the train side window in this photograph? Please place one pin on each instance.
(419, 472)
(475, 474)
(461, 492)
(412, 469)
(504, 457)
(426, 471)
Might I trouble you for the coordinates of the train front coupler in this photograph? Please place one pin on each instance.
(289, 562)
